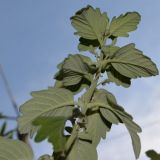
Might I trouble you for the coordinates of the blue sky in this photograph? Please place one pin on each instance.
(36, 34)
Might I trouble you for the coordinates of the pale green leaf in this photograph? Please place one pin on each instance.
(82, 150)
(51, 128)
(96, 128)
(133, 128)
(120, 26)
(107, 102)
(14, 150)
(74, 69)
(109, 50)
(54, 102)
(131, 63)
(117, 78)
(91, 24)
(109, 115)
(88, 45)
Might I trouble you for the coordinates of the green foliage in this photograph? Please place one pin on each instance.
(48, 112)
(153, 155)
(14, 149)
(51, 128)
(120, 26)
(54, 102)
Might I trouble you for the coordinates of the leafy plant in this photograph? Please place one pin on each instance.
(75, 128)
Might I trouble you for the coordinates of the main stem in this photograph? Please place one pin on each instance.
(87, 98)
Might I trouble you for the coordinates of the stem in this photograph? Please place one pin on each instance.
(72, 137)
(8, 118)
(15, 106)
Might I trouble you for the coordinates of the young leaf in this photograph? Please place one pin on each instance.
(131, 63)
(74, 69)
(14, 150)
(82, 150)
(51, 128)
(120, 26)
(91, 24)
(109, 50)
(53, 102)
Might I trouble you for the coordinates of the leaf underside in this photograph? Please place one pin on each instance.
(14, 150)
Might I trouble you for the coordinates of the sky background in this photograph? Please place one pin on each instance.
(35, 35)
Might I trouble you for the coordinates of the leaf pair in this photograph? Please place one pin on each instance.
(94, 27)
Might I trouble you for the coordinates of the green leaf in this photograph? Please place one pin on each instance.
(133, 128)
(88, 45)
(14, 150)
(82, 150)
(114, 113)
(109, 115)
(117, 78)
(91, 24)
(96, 127)
(153, 155)
(120, 26)
(109, 50)
(74, 69)
(76, 73)
(54, 102)
(131, 63)
(51, 128)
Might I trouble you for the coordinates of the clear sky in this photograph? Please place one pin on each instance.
(36, 34)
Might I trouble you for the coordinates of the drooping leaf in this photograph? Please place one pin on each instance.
(109, 115)
(120, 26)
(54, 102)
(82, 150)
(96, 128)
(133, 128)
(14, 150)
(131, 63)
(51, 128)
(91, 24)
(107, 102)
